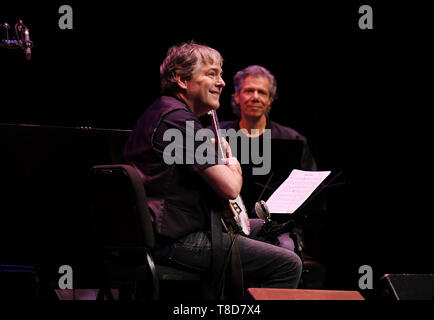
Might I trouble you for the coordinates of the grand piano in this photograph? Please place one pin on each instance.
(44, 202)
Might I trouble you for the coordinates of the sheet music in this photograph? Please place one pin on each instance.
(295, 190)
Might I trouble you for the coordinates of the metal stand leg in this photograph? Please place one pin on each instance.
(299, 251)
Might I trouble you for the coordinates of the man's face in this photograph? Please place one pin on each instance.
(254, 97)
(204, 89)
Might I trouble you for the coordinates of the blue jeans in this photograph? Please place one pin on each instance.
(264, 265)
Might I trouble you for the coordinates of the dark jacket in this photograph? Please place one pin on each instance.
(307, 162)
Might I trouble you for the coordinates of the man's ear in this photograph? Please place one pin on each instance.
(236, 98)
(181, 83)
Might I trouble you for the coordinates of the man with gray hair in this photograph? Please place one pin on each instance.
(179, 194)
(254, 92)
(255, 89)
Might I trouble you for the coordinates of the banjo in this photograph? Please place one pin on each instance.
(236, 206)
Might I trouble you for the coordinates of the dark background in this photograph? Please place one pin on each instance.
(360, 96)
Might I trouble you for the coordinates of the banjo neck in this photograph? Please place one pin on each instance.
(236, 206)
(216, 128)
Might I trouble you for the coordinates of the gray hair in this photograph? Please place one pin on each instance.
(252, 71)
(184, 60)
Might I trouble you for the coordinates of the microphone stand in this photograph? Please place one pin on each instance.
(298, 249)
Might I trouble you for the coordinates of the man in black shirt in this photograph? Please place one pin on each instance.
(178, 186)
(254, 92)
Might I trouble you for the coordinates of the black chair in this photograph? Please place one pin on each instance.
(124, 235)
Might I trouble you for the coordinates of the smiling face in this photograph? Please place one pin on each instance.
(254, 97)
(202, 92)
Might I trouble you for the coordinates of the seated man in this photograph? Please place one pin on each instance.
(255, 90)
(180, 191)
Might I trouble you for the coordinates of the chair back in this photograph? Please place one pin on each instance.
(120, 212)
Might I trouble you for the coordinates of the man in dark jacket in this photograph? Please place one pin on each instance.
(179, 187)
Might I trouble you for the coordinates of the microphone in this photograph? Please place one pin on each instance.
(23, 34)
(27, 44)
(5, 27)
(25, 41)
(262, 211)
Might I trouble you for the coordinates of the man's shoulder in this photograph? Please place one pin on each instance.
(279, 131)
(168, 103)
(167, 108)
(229, 124)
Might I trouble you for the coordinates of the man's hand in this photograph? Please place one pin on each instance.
(233, 164)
